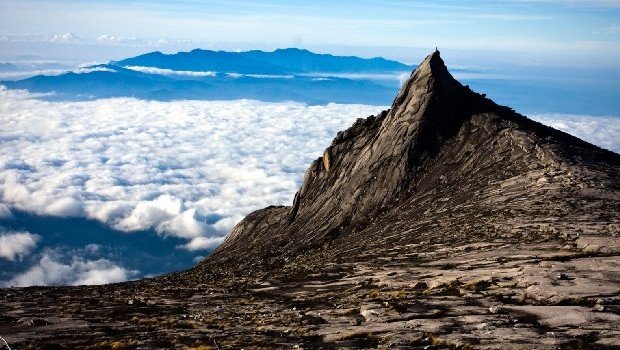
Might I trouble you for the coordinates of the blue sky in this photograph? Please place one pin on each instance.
(528, 32)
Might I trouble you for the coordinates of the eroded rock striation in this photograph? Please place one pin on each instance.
(446, 221)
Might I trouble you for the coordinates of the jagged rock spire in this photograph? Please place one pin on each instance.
(373, 164)
(439, 146)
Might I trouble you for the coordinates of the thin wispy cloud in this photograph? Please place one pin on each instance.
(573, 3)
(64, 37)
(163, 71)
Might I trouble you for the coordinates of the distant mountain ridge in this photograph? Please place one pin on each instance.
(282, 75)
(280, 61)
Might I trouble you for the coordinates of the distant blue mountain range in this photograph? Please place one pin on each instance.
(281, 75)
(281, 61)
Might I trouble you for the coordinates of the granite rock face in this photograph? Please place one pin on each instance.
(441, 150)
(446, 221)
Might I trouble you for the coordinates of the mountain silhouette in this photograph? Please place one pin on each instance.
(278, 76)
(280, 61)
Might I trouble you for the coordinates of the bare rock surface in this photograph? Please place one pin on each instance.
(446, 221)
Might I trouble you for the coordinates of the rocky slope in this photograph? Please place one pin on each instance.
(445, 222)
(442, 156)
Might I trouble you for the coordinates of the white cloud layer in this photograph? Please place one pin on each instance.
(83, 70)
(601, 131)
(64, 37)
(51, 271)
(190, 169)
(30, 73)
(16, 245)
(261, 76)
(164, 71)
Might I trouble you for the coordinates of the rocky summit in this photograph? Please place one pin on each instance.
(445, 222)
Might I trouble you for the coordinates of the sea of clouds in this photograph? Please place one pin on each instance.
(601, 131)
(189, 169)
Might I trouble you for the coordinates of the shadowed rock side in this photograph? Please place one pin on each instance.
(446, 222)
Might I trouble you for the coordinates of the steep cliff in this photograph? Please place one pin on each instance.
(442, 162)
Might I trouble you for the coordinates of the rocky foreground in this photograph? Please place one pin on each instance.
(445, 222)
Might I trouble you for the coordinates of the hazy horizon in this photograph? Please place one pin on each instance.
(569, 33)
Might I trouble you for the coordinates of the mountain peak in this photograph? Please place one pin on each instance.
(376, 161)
(431, 75)
(438, 136)
(433, 65)
(433, 61)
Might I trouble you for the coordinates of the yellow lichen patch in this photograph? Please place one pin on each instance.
(326, 159)
(478, 285)
(372, 294)
(398, 294)
(115, 345)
